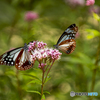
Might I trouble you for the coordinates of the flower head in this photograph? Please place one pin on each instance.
(75, 2)
(77, 35)
(36, 45)
(95, 9)
(90, 2)
(30, 16)
(43, 54)
(41, 66)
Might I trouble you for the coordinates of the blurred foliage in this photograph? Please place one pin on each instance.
(72, 72)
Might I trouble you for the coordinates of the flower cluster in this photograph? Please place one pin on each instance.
(75, 2)
(95, 9)
(43, 54)
(30, 16)
(36, 45)
(90, 2)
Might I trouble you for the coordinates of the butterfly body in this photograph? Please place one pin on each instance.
(66, 42)
(20, 57)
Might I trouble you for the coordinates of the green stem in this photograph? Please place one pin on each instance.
(48, 72)
(44, 79)
(42, 83)
(18, 85)
(95, 70)
(46, 67)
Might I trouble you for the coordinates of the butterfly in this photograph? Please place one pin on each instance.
(20, 57)
(66, 42)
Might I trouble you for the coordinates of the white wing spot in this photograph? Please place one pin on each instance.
(4, 55)
(18, 66)
(12, 63)
(9, 59)
(6, 58)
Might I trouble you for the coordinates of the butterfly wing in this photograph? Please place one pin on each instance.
(23, 61)
(66, 42)
(9, 57)
(69, 33)
(20, 57)
(67, 46)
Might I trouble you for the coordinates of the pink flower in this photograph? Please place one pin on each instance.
(42, 65)
(36, 45)
(77, 35)
(30, 16)
(42, 54)
(95, 9)
(90, 2)
(75, 2)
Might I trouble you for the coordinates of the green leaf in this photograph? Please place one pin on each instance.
(96, 16)
(34, 91)
(43, 97)
(34, 81)
(92, 33)
(46, 92)
(82, 59)
(47, 79)
(10, 73)
(33, 77)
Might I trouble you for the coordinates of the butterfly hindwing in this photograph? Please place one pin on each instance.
(23, 61)
(67, 46)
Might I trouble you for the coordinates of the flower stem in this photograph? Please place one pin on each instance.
(48, 72)
(95, 70)
(42, 83)
(44, 79)
(18, 85)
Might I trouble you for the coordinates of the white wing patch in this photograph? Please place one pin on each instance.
(63, 39)
(14, 51)
(15, 56)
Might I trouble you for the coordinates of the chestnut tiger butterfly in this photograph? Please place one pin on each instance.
(20, 57)
(66, 42)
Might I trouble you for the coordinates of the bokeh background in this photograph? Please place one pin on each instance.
(22, 21)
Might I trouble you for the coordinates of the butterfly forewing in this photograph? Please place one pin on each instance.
(66, 42)
(69, 33)
(9, 57)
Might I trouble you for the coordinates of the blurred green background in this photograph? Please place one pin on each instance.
(79, 71)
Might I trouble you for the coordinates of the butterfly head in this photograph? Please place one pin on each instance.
(56, 46)
(25, 47)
